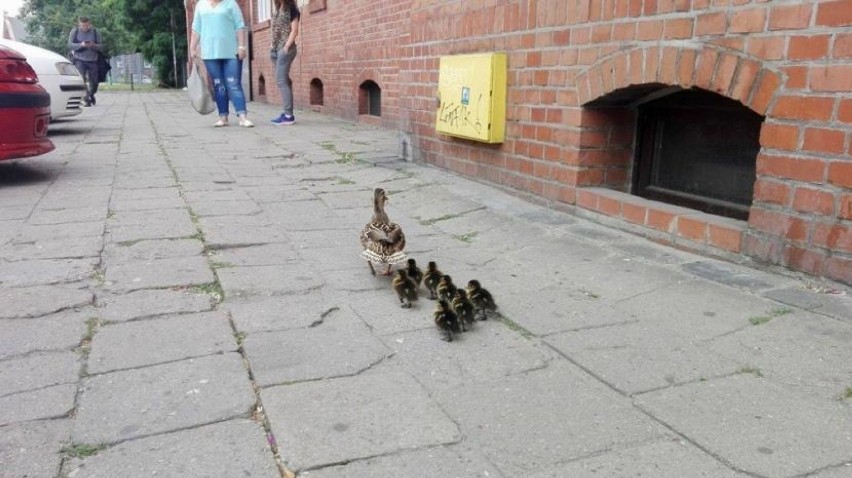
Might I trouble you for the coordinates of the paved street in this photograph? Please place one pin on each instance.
(183, 301)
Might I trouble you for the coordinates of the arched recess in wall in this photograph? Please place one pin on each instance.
(369, 99)
(675, 124)
(317, 93)
(261, 86)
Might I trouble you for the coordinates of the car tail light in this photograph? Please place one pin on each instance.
(16, 71)
(41, 123)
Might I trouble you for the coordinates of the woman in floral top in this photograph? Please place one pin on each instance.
(285, 28)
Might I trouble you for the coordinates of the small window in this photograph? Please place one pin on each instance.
(264, 10)
(698, 149)
(316, 92)
(370, 99)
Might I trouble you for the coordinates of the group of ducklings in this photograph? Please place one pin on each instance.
(383, 241)
(457, 309)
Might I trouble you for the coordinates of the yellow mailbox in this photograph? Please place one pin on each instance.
(472, 97)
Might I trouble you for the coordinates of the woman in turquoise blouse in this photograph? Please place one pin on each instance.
(218, 25)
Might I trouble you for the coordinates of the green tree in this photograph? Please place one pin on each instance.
(126, 26)
(49, 24)
(155, 25)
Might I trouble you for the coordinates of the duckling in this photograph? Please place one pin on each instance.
(405, 288)
(482, 300)
(382, 240)
(431, 279)
(414, 272)
(446, 319)
(464, 309)
(446, 288)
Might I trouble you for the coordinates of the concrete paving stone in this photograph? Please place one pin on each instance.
(306, 216)
(158, 274)
(36, 301)
(147, 218)
(238, 195)
(488, 351)
(335, 421)
(346, 199)
(373, 177)
(38, 370)
(206, 185)
(152, 250)
(658, 459)
(340, 346)
(839, 471)
(231, 448)
(268, 280)
(178, 226)
(41, 232)
(431, 203)
(238, 234)
(835, 303)
(636, 357)
(264, 195)
(382, 312)
(800, 350)
(68, 214)
(646, 251)
(225, 208)
(46, 271)
(757, 425)
(50, 402)
(9, 213)
(735, 275)
(170, 338)
(147, 204)
(534, 421)
(346, 256)
(32, 449)
(619, 277)
(443, 461)
(594, 232)
(295, 311)
(564, 253)
(260, 255)
(135, 403)
(356, 277)
(698, 309)
(130, 196)
(558, 309)
(478, 221)
(68, 248)
(152, 302)
(143, 182)
(60, 196)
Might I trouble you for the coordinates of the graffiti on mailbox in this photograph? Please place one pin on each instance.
(461, 115)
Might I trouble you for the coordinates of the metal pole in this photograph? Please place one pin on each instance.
(174, 51)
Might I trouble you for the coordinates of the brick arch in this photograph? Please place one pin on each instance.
(714, 69)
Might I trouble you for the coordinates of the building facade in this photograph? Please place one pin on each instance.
(720, 126)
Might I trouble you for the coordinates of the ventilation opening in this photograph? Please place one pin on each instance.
(697, 149)
(316, 92)
(261, 86)
(370, 99)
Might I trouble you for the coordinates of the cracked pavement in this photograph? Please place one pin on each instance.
(187, 301)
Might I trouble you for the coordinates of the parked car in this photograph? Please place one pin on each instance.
(24, 108)
(57, 75)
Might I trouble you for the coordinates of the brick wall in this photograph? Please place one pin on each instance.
(790, 61)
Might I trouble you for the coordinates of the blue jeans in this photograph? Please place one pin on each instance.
(282, 77)
(227, 83)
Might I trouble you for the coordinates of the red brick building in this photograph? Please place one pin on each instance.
(722, 126)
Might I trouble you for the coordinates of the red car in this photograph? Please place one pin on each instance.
(24, 109)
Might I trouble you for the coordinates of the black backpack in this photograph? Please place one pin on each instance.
(103, 61)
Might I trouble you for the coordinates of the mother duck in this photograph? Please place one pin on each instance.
(382, 240)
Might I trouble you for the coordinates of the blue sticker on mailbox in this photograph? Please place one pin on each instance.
(465, 99)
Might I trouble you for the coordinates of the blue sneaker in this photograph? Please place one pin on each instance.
(284, 120)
